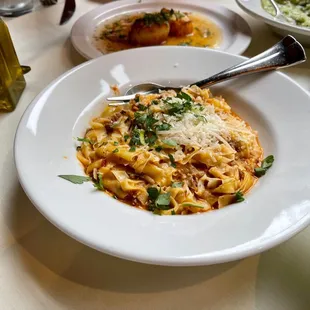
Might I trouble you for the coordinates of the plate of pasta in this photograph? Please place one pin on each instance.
(193, 177)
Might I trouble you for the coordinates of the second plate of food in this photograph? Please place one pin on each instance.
(129, 24)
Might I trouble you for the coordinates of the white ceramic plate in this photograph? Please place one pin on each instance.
(236, 32)
(255, 9)
(277, 208)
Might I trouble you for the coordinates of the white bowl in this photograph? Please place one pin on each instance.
(235, 30)
(255, 9)
(277, 208)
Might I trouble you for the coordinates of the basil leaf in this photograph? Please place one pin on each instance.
(75, 179)
(153, 193)
(163, 200)
(259, 172)
(239, 197)
(177, 184)
(266, 164)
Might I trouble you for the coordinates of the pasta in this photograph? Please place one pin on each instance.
(172, 153)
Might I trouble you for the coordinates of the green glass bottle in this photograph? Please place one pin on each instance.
(12, 81)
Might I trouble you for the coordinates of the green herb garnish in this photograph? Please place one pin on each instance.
(170, 142)
(158, 148)
(172, 212)
(150, 137)
(126, 137)
(115, 143)
(142, 107)
(99, 184)
(155, 102)
(163, 127)
(150, 121)
(266, 164)
(115, 151)
(158, 201)
(85, 140)
(132, 149)
(75, 179)
(185, 96)
(135, 137)
(239, 197)
(173, 164)
(177, 184)
(162, 201)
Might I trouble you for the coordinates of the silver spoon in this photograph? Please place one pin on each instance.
(279, 15)
(287, 52)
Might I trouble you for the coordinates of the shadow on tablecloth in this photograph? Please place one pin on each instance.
(83, 265)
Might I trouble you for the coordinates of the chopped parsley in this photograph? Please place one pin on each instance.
(135, 137)
(116, 151)
(173, 164)
(132, 149)
(115, 143)
(142, 107)
(179, 106)
(85, 140)
(185, 96)
(172, 212)
(163, 127)
(239, 197)
(155, 102)
(150, 137)
(140, 119)
(99, 184)
(150, 121)
(126, 137)
(158, 148)
(266, 164)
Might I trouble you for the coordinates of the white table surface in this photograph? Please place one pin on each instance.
(42, 268)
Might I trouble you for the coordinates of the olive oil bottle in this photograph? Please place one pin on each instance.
(12, 81)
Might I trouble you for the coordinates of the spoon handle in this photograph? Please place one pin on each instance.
(286, 53)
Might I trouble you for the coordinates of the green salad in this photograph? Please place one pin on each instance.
(296, 10)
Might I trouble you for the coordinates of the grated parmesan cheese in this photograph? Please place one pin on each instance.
(205, 129)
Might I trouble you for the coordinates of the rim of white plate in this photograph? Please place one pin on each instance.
(260, 13)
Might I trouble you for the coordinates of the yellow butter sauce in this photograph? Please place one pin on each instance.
(206, 34)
